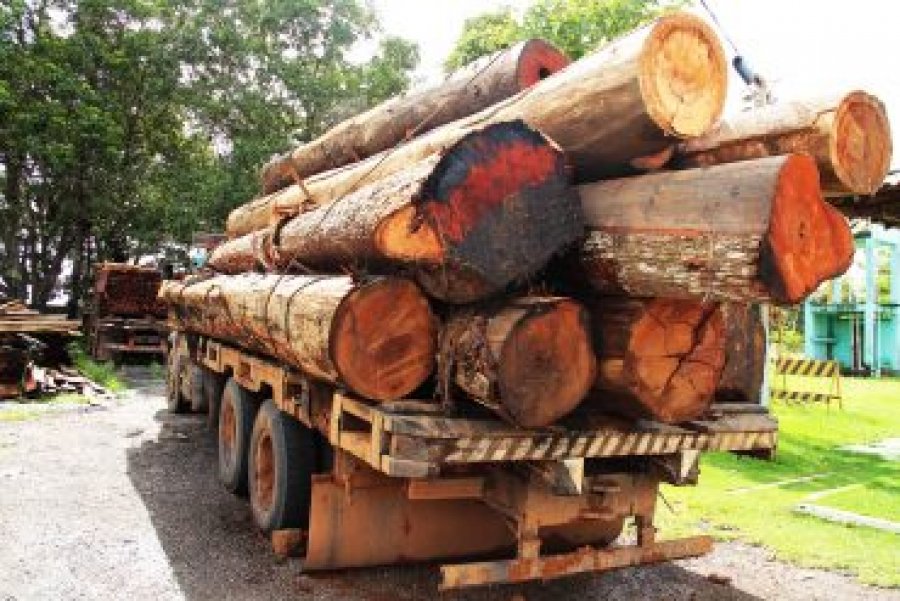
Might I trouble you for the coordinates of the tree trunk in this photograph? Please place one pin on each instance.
(659, 359)
(631, 99)
(377, 338)
(530, 360)
(468, 221)
(745, 354)
(756, 231)
(849, 136)
(469, 90)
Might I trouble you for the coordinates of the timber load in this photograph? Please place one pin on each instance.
(581, 247)
(126, 290)
(755, 231)
(529, 360)
(472, 88)
(377, 338)
(619, 109)
(849, 136)
(467, 221)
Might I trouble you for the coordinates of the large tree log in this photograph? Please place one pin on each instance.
(377, 338)
(658, 359)
(745, 354)
(529, 360)
(633, 98)
(476, 86)
(488, 211)
(849, 136)
(751, 231)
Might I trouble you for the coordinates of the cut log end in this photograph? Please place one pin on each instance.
(683, 75)
(861, 144)
(384, 339)
(674, 360)
(539, 60)
(497, 203)
(547, 364)
(807, 241)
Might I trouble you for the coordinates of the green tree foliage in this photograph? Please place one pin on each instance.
(127, 123)
(575, 26)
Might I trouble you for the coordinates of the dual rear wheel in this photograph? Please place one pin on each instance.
(268, 454)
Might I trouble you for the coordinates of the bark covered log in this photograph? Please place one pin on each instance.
(124, 290)
(659, 359)
(751, 231)
(530, 360)
(745, 354)
(474, 87)
(635, 97)
(468, 221)
(377, 338)
(849, 136)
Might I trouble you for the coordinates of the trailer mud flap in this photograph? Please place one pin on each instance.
(374, 523)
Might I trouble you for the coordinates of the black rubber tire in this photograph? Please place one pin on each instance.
(175, 401)
(236, 414)
(280, 473)
(213, 386)
(198, 394)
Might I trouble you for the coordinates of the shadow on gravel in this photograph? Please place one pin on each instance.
(215, 552)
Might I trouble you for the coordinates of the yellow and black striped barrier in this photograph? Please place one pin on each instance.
(813, 368)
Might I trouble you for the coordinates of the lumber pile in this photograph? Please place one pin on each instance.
(521, 261)
(124, 290)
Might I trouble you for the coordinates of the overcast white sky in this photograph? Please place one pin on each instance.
(805, 47)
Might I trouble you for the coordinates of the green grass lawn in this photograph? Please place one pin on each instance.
(739, 498)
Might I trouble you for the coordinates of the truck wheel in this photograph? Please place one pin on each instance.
(213, 385)
(198, 394)
(282, 461)
(236, 415)
(175, 401)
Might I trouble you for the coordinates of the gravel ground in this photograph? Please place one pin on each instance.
(121, 502)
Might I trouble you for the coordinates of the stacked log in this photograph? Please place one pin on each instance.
(377, 338)
(520, 261)
(848, 135)
(658, 358)
(630, 101)
(474, 87)
(466, 222)
(126, 290)
(753, 231)
(529, 360)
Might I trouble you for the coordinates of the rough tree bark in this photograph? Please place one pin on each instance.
(659, 359)
(751, 231)
(745, 354)
(469, 90)
(849, 136)
(529, 360)
(378, 338)
(468, 221)
(633, 98)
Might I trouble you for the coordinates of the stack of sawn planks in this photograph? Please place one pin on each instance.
(587, 236)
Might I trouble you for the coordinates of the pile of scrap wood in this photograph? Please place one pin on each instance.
(596, 240)
(27, 336)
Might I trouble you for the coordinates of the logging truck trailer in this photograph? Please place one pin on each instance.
(126, 318)
(349, 483)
